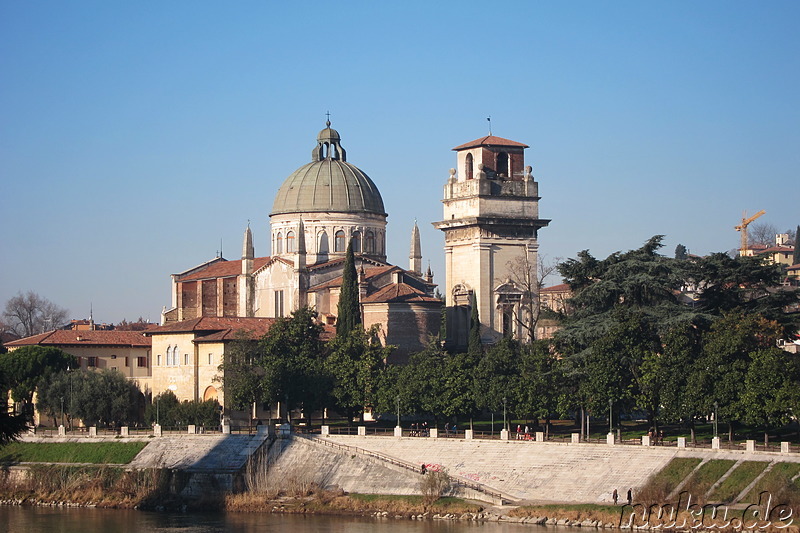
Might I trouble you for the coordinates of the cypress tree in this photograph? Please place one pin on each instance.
(474, 345)
(349, 311)
(796, 256)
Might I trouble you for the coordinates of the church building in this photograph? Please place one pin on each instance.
(320, 208)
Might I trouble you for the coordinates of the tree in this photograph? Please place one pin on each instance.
(28, 314)
(102, 397)
(474, 343)
(762, 233)
(355, 361)
(26, 367)
(680, 252)
(139, 325)
(770, 389)
(497, 377)
(796, 256)
(242, 374)
(292, 357)
(11, 426)
(528, 277)
(680, 401)
(539, 381)
(163, 410)
(349, 310)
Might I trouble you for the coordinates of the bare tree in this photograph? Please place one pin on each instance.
(28, 314)
(528, 276)
(762, 233)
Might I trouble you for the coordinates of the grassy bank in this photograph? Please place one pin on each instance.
(70, 452)
(607, 514)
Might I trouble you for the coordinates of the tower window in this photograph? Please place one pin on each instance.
(369, 245)
(338, 243)
(468, 169)
(290, 242)
(356, 240)
(279, 243)
(502, 164)
(278, 304)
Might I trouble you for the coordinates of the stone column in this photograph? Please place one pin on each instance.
(645, 440)
(157, 430)
(504, 434)
(575, 438)
(192, 429)
(540, 436)
(362, 431)
(325, 431)
(62, 431)
(715, 443)
(93, 431)
(434, 433)
(467, 434)
(750, 446)
(123, 431)
(610, 440)
(681, 442)
(784, 447)
(398, 431)
(226, 429)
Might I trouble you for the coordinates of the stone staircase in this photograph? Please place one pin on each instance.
(529, 471)
(199, 453)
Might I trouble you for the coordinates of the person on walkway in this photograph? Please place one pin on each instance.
(615, 496)
(423, 469)
(630, 496)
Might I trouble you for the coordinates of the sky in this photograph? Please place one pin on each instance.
(139, 138)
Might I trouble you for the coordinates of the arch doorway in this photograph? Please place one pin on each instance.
(210, 393)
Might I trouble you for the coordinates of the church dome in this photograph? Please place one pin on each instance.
(329, 183)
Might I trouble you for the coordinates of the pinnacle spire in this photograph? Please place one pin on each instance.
(248, 252)
(415, 257)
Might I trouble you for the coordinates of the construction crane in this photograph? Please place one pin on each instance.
(743, 228)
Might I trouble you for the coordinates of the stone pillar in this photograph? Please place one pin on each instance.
(750, 446)
(504, 434)
(32, 431)
(784, 447)
(715, 443)
(434, 433)
(610, 440)
(93, 431)
(540, 436)
(262, 429)
(62, 432)
(226, 429)
(123, 431)
(398, 431)
(192, 429)
(325, 431)
(157, 430)
(645, 440)
(362, 431)
(681, 442)
(575, 438)
(467, 434)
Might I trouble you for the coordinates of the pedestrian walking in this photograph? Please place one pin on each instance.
(630, 496)
(615, 496)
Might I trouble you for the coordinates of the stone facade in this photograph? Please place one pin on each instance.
(491, 223)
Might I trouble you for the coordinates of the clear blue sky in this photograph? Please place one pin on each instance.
(135, 136)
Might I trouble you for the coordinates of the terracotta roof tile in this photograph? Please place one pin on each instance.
(398, 292)
(490, 140)
(211, 324)
(563, 287)
(61, 337)
(369, 273)
(222, 269)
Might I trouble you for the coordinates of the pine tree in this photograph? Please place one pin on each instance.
(474, 342)
(349, 311)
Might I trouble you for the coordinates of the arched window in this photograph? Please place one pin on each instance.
(369, 245)
(290, 242)
(338, 242)
(502, 164)
(324, 246)
(175, 357)
(356, 240)
(468, 170)
(279, 243)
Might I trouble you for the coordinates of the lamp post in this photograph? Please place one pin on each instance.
(504, 414)
(716, 406)
(610, 415)
(397, 401)
(71, 403)
(62, 410)
(158, 399)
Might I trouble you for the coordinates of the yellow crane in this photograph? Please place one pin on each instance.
(743, 228)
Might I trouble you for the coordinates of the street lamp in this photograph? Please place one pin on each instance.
(71, 402)
(62, 410)
(397, 401)
(610, 415)
(716, 406)
(504, 414)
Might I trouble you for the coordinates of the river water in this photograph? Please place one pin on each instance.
(15, 519)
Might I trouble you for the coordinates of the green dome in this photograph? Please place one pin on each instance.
(328, 183)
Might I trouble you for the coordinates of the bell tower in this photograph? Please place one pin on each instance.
(491, 224)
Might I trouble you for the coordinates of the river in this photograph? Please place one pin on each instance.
(16, 519)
